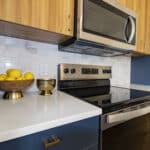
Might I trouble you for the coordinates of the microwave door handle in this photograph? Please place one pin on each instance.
(125, 30)
(133, 29)
(125, 116)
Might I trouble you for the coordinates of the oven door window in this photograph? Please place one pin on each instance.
(131, 135)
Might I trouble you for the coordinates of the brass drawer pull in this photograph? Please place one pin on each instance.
(49, 143)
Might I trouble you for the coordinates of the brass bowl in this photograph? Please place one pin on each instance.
(13, 89)
(46, 86)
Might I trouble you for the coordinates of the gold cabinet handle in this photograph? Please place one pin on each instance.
(49, 143)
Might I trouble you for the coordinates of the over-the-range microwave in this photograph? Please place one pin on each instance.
(102, 28)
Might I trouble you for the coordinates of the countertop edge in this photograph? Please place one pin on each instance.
(140, 87)
(13, 134)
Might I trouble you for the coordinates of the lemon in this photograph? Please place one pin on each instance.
(9, 79)
(28, 76)
(14, 73)
(20, 78)
(2, 77)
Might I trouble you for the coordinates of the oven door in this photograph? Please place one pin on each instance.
(102, 21)
(132, 134)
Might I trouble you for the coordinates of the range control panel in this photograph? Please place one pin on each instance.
(83, 72)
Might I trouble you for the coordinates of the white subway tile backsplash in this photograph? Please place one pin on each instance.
(29, 55)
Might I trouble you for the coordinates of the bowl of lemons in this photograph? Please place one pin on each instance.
(14, 82)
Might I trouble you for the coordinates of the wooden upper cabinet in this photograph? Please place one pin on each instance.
(51, 15)
(142, 8)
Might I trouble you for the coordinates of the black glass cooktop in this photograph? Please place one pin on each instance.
(118, 98)
(110, 98)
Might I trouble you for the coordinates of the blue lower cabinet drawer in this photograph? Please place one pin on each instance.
(32, 142)
(93, 148)
(81, 135)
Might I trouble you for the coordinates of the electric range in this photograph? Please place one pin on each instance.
(123, 109)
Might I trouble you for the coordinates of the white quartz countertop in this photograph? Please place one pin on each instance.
(35, 113)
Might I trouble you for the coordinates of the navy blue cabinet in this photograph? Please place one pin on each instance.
(81, 135)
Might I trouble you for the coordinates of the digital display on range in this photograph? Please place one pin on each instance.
(90, 71)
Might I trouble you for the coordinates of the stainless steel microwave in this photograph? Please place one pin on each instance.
(102, 27)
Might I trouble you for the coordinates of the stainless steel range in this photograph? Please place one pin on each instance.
(125, 122)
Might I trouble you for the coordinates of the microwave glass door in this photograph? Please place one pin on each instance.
(99, 20)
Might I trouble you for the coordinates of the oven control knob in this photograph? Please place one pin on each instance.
(73, 70)
(66, 70)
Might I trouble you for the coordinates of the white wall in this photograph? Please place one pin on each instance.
(38, 57)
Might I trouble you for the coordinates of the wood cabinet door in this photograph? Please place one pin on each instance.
(147, 38)
(142, 8)
(51, 15)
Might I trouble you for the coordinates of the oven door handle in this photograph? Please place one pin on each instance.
(127, 115)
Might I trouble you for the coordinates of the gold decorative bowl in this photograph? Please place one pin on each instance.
(46, 86)
(13, 89)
